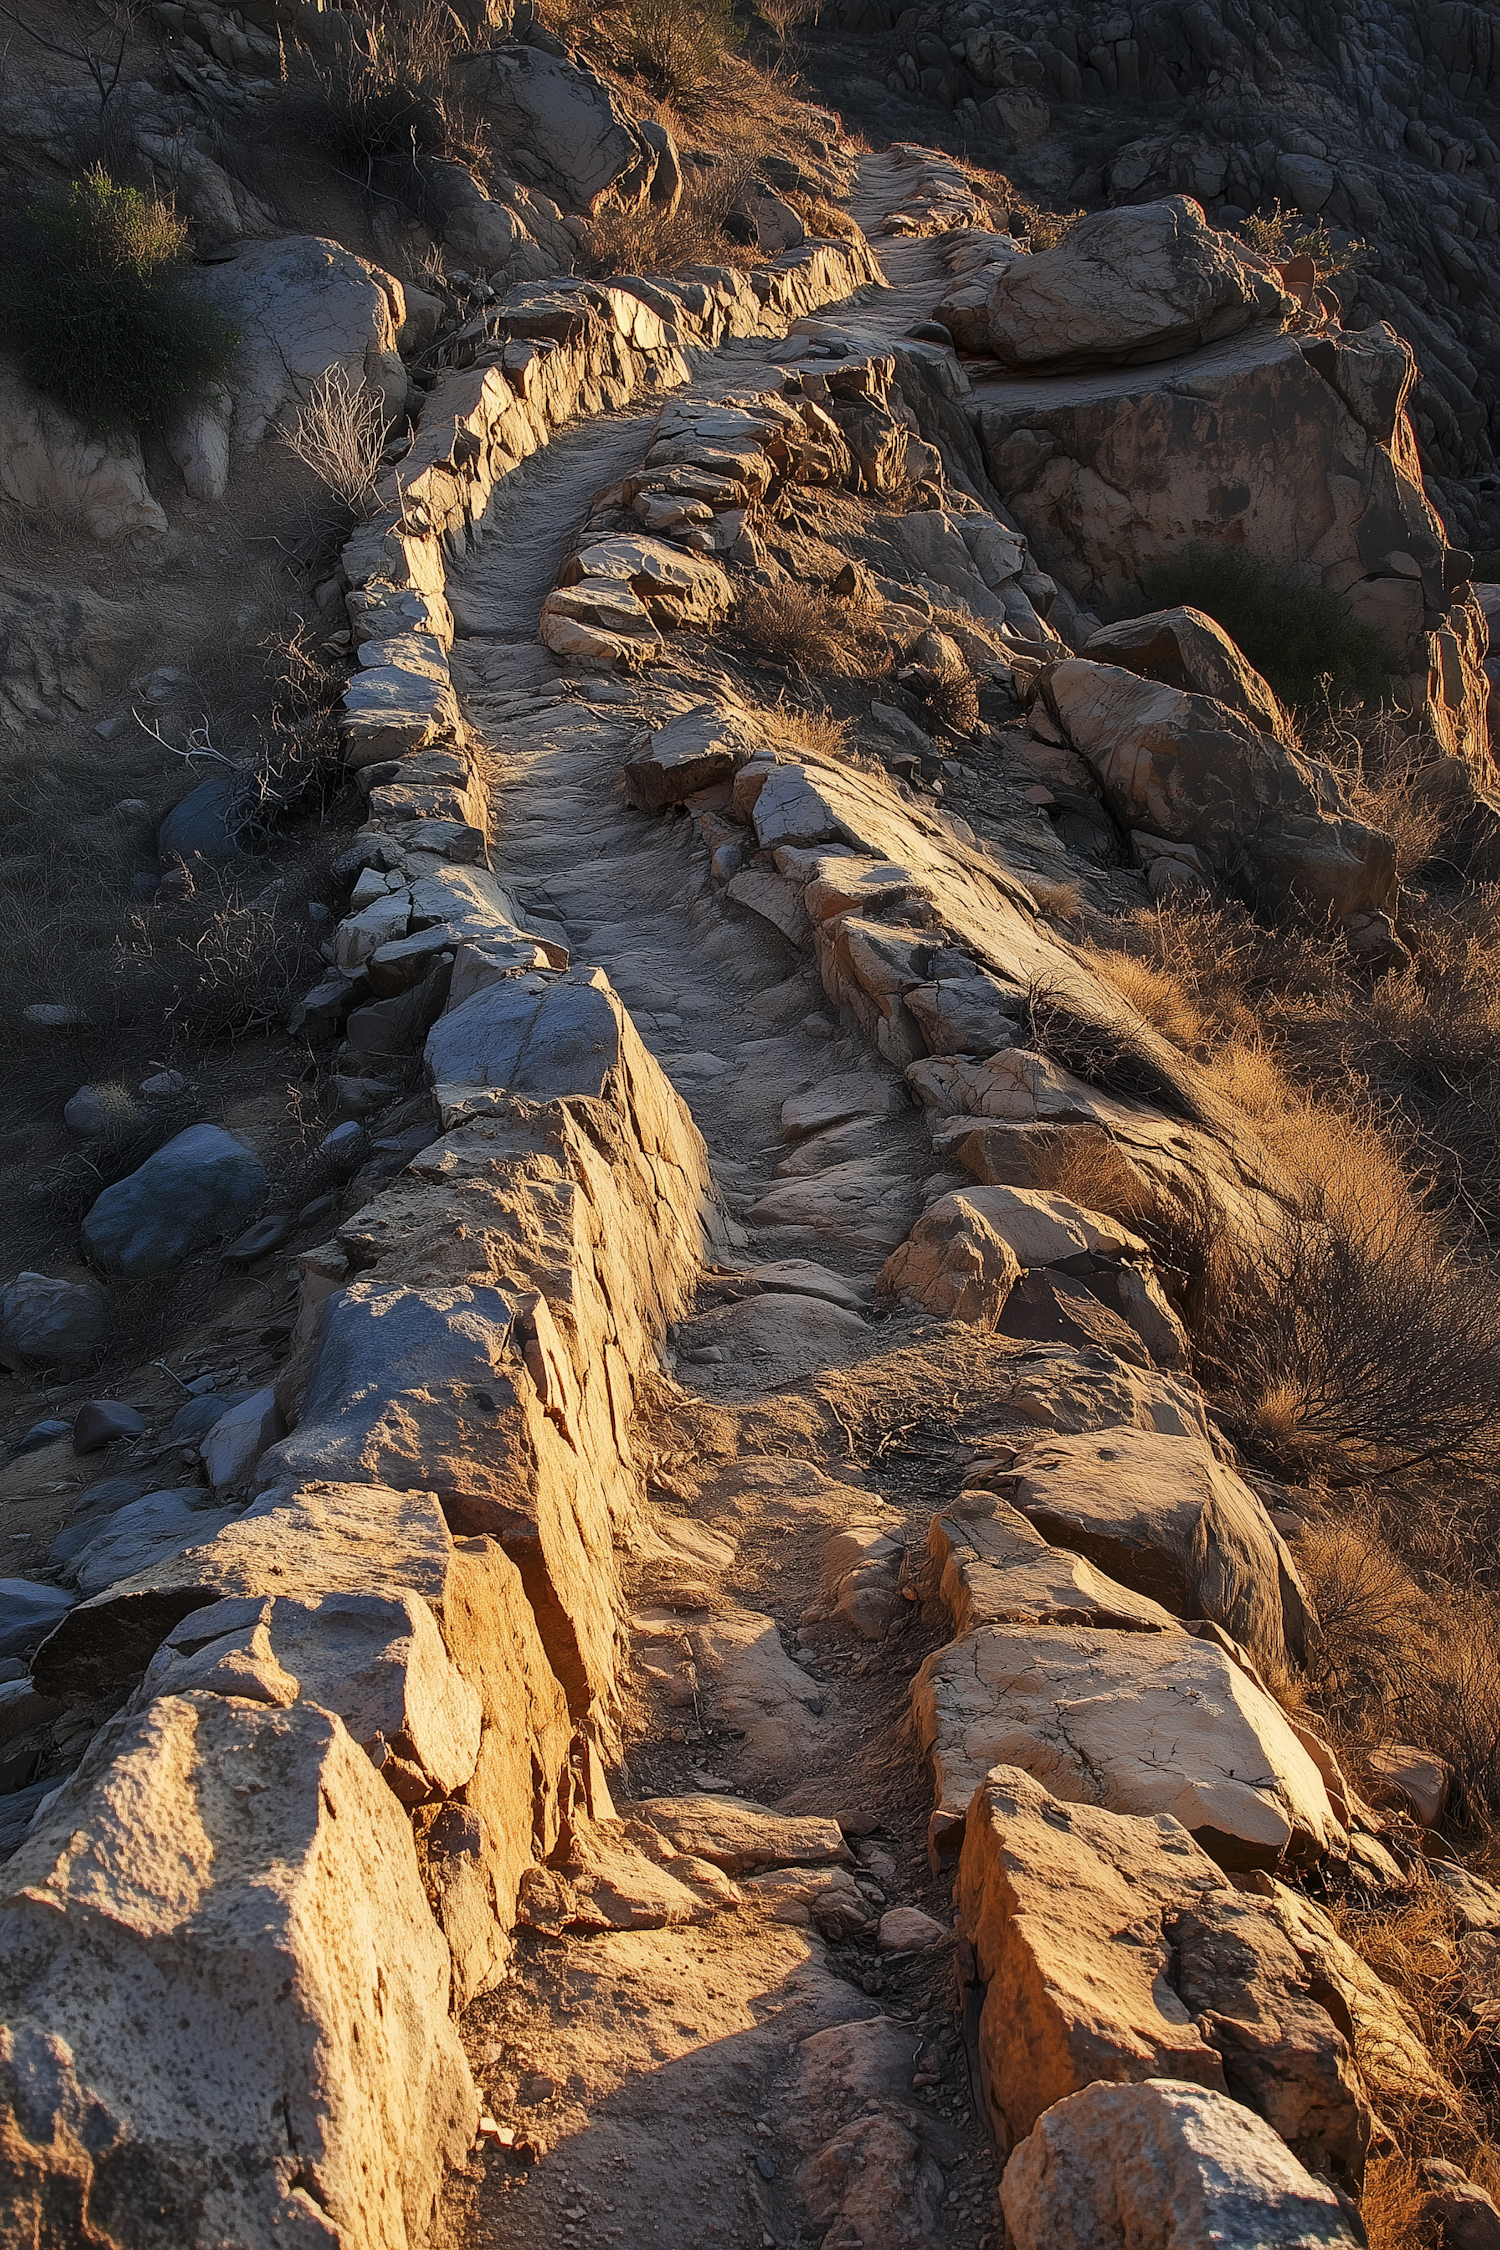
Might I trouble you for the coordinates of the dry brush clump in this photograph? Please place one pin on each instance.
(652, 239)
(803, 628)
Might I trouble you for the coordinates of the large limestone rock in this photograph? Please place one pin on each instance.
(301, 306)
(1297, 450)
(51, 466)
(1186, 649)
(1269, 820)
(1163, 2166)
(223, 1996)
(1135, 1722)
(1115, 1949)
(1147, 282)
(568, 133)
(1166, 1518)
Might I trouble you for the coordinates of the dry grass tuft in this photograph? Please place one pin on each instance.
(1087, 1167)
(818, 733)
(1154, 993)
(339, 432)
(1060, 902)
(801, 627)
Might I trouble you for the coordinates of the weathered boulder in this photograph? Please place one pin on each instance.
(758, 1691)
(1187, 650)
(50, 465)
(50, 1323)
(1417, 1781)
(295, 1958)
(1135, 1722)
(1163, 1516)
(693, 750)
(235, 1442)
(538, 1035)
(568, 133)
(1271, 820)
(677, 590)
(1165, 2166)
(143, 1534)
(1111, 474)
(28, 1613)
(301, 306)
(1115, 1949)
(211, 822)
(199, 1186)
(1147, 282)
(988, 1566)
(965, 1255)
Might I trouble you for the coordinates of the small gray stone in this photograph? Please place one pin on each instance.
(84, 1113)
(40, 1434)
(54, 1015)
(239, 1438)
(258, 1241)
(194, 1421)
(163, 1085)
(345, 1140)
(101, 1420)
(207, 823)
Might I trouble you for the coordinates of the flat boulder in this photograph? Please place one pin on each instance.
(538, 1035)
(200, 1186)
(1163, 1515)
(741, 1837)
(1146, 282)
(1134, 1722)
(1165, 2166)
(1185, 648)
(1183, 768)
(988, 1566)
(694, 750)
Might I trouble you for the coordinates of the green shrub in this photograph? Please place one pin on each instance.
(1296, 636)
(98, 314)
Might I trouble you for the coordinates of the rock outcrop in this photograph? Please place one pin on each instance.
(1149, 282)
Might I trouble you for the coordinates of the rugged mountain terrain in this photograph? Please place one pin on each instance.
(749, 1293)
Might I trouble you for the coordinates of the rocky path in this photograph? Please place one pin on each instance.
(660, 2073)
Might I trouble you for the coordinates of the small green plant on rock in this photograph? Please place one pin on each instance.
(96, 310)
(1303, 639)
(1280, 234)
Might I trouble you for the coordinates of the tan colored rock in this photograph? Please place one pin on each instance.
(1111, 474)
(1395, 2065)
(1146, 282)
(1415, 1780)
(966, 1254)
(861, 1576)
(1114, 1949)
(758, 1690)
(1163, 1516)
(741, 1837)
(1135, 1722)
(216, 1940)
(51, 466)
(989, 1566)
(1164, 2165)
(1270, 819)
(826, 1897)
(678, 590)
(1186, 649)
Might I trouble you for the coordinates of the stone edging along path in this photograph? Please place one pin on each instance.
(388, 1687)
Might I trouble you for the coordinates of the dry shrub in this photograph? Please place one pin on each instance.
(678, 46)
(1347, 1343)
(801, 626)
(1118, 1051)
(1085, 1165)
(392, 95)
(339, 432)
(1060, 902)
(650, 239)
(823, 219)
(1153, 993)
(818, 733)
(133, 1130)
(1246, 1073)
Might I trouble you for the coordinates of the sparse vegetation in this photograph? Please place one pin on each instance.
(1280, 234)
(678, 46)
(803, 628)
(95, 305)
(653, 239)
(1302, 638)
(339, 433)
(392, 95)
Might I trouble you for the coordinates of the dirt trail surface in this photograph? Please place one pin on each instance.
(661, 2074)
